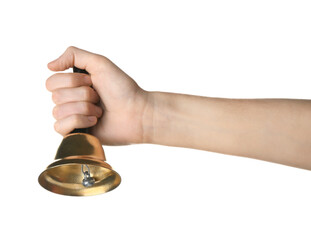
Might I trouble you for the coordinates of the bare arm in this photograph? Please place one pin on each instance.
(120, 112)
(276, 130)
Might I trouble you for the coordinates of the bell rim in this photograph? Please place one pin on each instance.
(79, 160)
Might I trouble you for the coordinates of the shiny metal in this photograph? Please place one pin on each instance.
(65, 175)
(87, 181)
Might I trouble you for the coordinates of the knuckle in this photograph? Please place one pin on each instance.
(71, 81)
(76, 120)
(98, 58)
(86, 107)
(56, 127)
(87, 93)
(103, 62)
(70, 48)
(48, 84)
(55, 112)
(99, 111)
(55, 97)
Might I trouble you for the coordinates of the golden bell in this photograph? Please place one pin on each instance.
(80, 168)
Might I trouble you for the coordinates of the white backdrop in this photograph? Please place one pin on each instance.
(236, 49)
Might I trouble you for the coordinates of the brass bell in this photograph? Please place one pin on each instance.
(80, 168)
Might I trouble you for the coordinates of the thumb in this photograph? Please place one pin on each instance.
(73, 57)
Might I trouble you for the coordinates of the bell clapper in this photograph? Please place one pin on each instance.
(87, 181)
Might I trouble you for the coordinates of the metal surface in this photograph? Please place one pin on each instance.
(87, 181)
(65, 176)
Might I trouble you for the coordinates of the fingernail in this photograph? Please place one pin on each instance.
(92, 118)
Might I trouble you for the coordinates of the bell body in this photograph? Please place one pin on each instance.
(66, 175)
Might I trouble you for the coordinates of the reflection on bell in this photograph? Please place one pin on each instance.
(80, 168)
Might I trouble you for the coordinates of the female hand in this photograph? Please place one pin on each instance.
(113, 107)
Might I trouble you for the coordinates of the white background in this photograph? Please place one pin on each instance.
(236, 49)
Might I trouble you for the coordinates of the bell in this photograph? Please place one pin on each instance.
(80, 168)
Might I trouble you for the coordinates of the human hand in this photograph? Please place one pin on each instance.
(123, 113)
(114, 107)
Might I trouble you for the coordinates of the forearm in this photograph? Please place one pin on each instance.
(276, 130)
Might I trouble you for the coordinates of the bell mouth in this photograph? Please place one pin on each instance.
(65, 177)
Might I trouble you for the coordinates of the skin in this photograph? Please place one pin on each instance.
(119, 112)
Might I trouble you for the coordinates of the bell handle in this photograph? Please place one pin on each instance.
(80, 130)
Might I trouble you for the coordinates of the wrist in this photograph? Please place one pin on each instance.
(148, 122)
(158, 117)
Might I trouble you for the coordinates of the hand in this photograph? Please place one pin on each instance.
(114, 107)
(120, 112)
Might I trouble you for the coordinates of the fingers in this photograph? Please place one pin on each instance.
(76, 108)
(71, 92)
(79, 94)
(75, 57)
(66, 125)
(71, 87)
(75, 115)
(67, 80)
